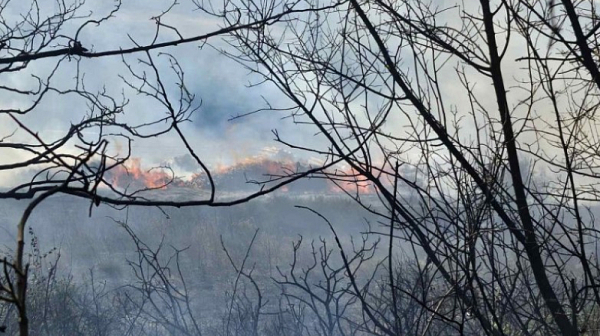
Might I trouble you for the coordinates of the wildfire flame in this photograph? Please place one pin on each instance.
(131, 175)
(350, 181)
(234, 177)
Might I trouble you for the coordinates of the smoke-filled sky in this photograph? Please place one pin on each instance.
(219, 84)
(222, 86)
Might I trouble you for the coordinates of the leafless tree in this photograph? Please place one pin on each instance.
(322, 290)
(58, 304)
(160, 296)
(245, 303)
(472, 122)
(475, 124)
(44, 59)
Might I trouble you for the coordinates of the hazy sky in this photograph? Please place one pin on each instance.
(217, 81)
(219, 84)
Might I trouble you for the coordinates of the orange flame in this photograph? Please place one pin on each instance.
(350, 181)
(131, 175)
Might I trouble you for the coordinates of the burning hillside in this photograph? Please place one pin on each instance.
(131, 176)
(244, 176)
